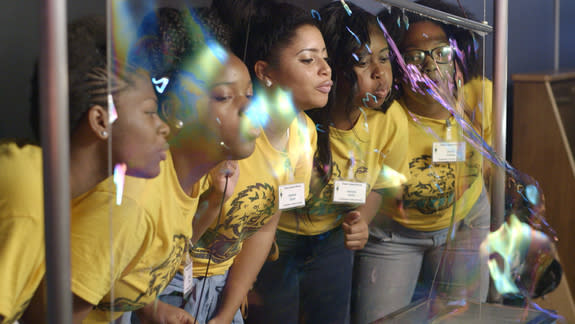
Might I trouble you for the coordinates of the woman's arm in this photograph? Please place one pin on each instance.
(245, 269)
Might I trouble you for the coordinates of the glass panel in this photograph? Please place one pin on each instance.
(389, 126)
(175, 110)
(456, 290)
(446, 199)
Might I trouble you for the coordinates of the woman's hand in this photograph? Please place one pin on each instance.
(158, 312)
(356, 230)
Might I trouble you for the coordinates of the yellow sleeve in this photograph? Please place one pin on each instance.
(488, 113)
(104, 234)
(395, 160)
(21, 251)
(479, 102)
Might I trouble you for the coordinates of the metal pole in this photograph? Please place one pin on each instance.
(499, 109)
(56, 159)
(557, 17)
(439, 15)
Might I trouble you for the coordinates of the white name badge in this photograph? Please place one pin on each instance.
(349, 192)
(291, 196)
(188, 277)
(448, 152)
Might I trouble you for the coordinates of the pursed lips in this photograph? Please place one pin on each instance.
(325, 87)
(381, 92)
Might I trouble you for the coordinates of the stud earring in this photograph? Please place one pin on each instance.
(178, 124)
(268, 83)
(222, 144)
(104, 133)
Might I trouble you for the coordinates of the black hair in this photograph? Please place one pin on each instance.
(215, 26)
(239, 22)
(87, 72)
(168, 36)
(398, 20)
(271, 30)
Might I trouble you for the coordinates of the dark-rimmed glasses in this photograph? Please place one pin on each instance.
(440, 55)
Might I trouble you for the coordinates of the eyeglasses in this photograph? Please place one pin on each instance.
(441, 55)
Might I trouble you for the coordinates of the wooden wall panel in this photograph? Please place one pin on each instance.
(541, 149)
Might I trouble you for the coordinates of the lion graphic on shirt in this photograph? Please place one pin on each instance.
(251, 209)
(431, 188)
(160, 276)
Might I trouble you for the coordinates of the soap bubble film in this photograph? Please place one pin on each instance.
(519, 255)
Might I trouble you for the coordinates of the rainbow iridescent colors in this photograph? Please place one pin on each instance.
(525, 228)
(525, 223)
(119, 177)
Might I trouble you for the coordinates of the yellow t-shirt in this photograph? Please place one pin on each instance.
(255, 197)
(21, 227)
(373, 152)
(429, 194)
(150, 231)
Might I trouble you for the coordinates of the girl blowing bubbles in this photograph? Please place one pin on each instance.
(357, 143)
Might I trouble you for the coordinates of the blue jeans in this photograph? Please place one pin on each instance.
(210, 297)
(386, 271)
(309, 283)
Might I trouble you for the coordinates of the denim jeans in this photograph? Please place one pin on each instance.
(386, 271)
(309, 283)
(209, 296)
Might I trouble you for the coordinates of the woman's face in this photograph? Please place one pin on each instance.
(228, 98)
(302, 68)
(430, 37)
(210, 115)
(139, 135)
(373, 72)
